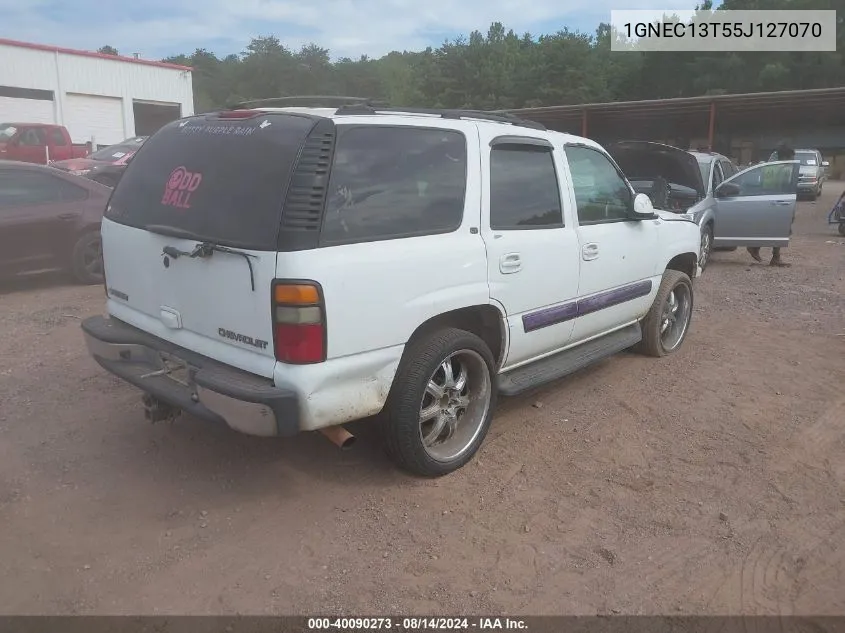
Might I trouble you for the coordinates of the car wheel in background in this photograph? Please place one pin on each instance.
(441, 403)
(667, 323)
(87, 259)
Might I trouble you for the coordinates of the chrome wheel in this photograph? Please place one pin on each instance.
(675, 318)
(706, 247)
(455, 405)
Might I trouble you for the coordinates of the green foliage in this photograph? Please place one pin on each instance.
(502, 69)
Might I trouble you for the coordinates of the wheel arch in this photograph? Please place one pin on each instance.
(484, 320)
(686, 263)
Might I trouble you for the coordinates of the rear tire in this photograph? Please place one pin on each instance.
(441, 403)
(667, 323)
(87, 259)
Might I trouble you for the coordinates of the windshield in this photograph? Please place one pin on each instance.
(7, 131)
(807, 158)
(704, 168)
(116, 152)
(222, 180)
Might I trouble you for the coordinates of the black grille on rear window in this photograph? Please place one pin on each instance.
(302, 213)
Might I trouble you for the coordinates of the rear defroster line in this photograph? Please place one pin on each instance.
(207, 249)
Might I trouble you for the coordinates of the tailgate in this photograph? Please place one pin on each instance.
(190, 235)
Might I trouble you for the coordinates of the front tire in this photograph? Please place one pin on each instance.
(706, 246)
(87, 259)
(441, 403)
(667, 323)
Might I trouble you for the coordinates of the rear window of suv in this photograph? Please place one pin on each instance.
(213, 179)
(392, 182)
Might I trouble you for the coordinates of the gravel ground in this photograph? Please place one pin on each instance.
(710, 482)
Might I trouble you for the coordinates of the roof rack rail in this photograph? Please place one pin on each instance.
(306, 101)
(446, 113)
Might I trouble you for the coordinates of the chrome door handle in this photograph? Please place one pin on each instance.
(781, 203)
(510, 263)
(590, 251)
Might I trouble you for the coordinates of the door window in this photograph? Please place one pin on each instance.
(524, 189)
(767, 180)
(728, 168)
(32, 137)
(24, 188)
(601, 192)
(718, 176)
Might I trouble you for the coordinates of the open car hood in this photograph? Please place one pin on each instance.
(644, 160)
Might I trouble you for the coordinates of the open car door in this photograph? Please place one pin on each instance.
(756, 207)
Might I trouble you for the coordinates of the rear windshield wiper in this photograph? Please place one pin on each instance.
(207, 249)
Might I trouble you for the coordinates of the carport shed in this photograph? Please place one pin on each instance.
(745, 127)
(99, 97)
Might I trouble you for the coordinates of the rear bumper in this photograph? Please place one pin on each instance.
(194, 383)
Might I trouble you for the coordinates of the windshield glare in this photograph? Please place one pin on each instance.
(704, 167)
(116, 152)
(7, 131)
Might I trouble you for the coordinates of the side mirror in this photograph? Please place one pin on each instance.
(728, 190)
(643, 208)
(825, 163)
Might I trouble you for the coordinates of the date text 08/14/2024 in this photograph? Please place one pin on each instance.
(415, 624)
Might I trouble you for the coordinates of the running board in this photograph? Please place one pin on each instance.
(568, 361)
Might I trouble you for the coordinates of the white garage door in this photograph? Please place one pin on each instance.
(90, 117)
(13, 110)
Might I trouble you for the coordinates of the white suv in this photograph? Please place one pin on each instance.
(294, 269)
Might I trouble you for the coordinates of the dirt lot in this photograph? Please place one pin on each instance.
(712, 481)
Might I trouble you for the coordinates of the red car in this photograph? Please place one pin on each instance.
(50, 219)
(97, 165)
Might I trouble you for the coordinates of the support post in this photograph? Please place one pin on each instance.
(711, 131)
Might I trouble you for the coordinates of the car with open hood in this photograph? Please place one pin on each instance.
(750, 207)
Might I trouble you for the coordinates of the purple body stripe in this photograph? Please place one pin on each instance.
(549, 316)
(614, 297)
(568, 311)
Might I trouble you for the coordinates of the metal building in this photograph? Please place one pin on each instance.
(99, 98)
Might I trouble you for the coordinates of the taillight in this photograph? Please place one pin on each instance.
(237, 114)
(299, 323)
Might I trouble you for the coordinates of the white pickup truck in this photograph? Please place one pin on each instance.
(287, 269)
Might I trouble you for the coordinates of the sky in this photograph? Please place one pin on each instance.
(348, 28)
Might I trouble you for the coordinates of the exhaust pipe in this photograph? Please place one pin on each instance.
(339, 436)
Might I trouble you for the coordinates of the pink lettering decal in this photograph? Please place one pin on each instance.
(180, 185)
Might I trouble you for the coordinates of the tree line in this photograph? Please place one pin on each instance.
(501, 69)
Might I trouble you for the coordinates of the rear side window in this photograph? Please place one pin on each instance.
(524, 190)
(57, 138)
(213, 179)
(393, 182)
